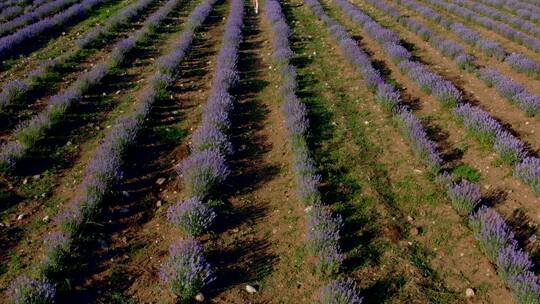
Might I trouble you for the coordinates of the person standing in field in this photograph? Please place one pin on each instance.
(256, 7)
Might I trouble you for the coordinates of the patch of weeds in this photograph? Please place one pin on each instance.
(38, 186)
(467, 172)
(16, 262)
(171, 134)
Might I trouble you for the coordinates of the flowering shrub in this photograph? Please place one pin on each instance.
(185, 272)
(192, 216)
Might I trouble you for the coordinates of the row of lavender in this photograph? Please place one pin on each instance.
(479, 122)
(186, 272)
(27, 135)
(35, 15)
(524, 10)
(504, 30)
(10, 11)
(512, 91)
(494, 235)
(517, 23)
(323, 235)
(9, 3)
(17, 90)
(15, 43)
(517, 61)
(102, 172)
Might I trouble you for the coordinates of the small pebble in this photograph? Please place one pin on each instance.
(199, 297)
(251, 289)
(469, 293)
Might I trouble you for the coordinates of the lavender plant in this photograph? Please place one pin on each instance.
(25, 290)
(192, 216)
(491, 231)
(528, 171)
(340, 292)
(465, 196)
(511, 262)
(186, 271)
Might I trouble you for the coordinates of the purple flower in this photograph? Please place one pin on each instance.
(523, 64)
(10, 153)
(530, 103)
(323, 240)
(209, 137)
(340, 292)
(510, 149)
(323, 229)
(186, 271)
(479, 123)
(446, 93)
(27, 290)
(512, 262)
(465, 196)
(397, 52)
(491, 231)
(526, 287)
(388, 96)
(465, 62)
(12, 91)
(192, 216)
(203, 171)
(424, 148)
(529, 172)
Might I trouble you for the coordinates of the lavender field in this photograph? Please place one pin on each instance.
(298, 151)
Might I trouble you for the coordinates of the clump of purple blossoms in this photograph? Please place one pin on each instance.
(526, 288)
(465, 196)
(192, 216)
(530, 103)
(186, 271)
(511, 150)
(446, 93)
(511, 262)
(529, 172)
(465, 62)
(478, 122)
(24, 290)
(323, 240)
(203, 171)
(396, 52)
(340, 292)
(491, 231)
(388, 97)
(210, 137)
(57, 248)
(424, 148)
(523, 64)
